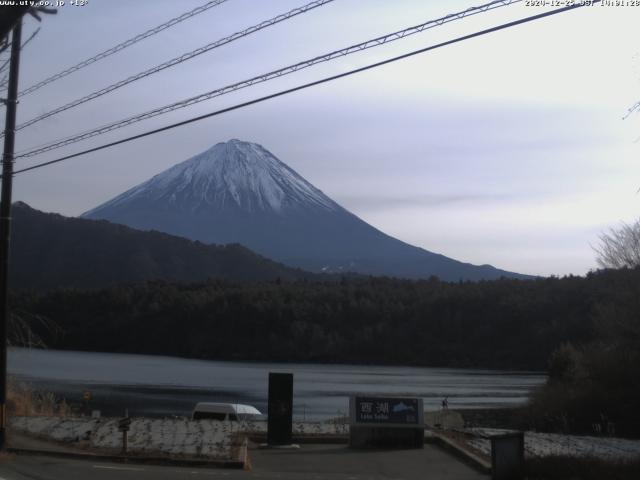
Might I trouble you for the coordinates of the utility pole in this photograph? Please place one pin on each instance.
(10, 15)
(5, 219)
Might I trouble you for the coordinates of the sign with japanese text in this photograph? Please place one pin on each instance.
(391, 411)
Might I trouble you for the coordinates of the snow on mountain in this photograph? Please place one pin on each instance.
(238, 192)
(232, 174)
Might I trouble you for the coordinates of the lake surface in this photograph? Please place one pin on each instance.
(166, 386)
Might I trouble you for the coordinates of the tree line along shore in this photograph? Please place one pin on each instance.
(584, 330)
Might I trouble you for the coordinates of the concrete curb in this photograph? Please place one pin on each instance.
(468, 457)
(179, 462)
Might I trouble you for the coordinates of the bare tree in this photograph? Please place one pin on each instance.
(620, 247)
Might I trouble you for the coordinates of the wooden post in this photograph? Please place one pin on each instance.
(124, 441)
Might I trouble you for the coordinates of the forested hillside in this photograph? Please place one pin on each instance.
(507, 324)
(51, 251)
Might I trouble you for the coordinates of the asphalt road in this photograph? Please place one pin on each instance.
(310, 462)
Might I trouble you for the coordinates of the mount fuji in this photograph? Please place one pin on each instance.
(238, 192)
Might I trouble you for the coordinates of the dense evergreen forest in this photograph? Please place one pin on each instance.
(51, 251)
(506, 324)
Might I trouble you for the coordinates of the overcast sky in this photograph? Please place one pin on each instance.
(509, 149)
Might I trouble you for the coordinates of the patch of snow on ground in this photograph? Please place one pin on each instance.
(202, 438)
(172, 436)
(548, 444)
(300, 428)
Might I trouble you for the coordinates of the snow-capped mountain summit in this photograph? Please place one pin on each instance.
(238, 192)
(231, 175)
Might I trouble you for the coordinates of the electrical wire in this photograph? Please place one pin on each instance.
(122, 46)
(310, 84)
(177, 60)
(632, 109)
(376, 42)
(24, 44)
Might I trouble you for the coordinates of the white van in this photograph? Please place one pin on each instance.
(224, 411)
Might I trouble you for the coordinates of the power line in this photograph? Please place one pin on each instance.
(177, 60)
(123, 45)
(24, 44)
(391, 37)
(632, 109)
(308, 85)
(5, 79)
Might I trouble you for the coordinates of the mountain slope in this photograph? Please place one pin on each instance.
(238, 192)
(49, 251)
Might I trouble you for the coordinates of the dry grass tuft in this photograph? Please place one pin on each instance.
(24, 401)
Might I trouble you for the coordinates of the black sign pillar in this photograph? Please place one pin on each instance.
(280, 410)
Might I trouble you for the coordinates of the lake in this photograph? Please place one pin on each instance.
(167, 386)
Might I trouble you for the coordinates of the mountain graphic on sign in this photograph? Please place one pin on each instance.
(401, 407)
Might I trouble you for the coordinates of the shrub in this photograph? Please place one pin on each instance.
(24, 401)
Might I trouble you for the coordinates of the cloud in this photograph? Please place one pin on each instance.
(382, 202)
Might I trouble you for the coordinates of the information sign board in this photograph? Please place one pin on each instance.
(386, 411)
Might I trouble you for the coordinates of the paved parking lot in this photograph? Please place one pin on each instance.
(340, 462)
(310, 462)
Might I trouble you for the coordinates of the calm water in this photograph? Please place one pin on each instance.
(165, 386)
